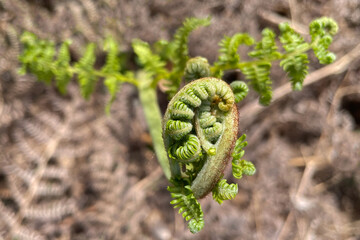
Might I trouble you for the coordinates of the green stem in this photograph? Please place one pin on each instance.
(153, 118)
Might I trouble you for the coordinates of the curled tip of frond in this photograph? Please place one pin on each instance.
(240, 90)
(196, 68)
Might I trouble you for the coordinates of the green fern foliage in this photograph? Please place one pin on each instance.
(86, 74)
(259, 75)
(241, 167)
(229, 57)
(178, 51)
(61, 66)
(258, 72)
(37, 57)
(224, 191)
(240, 90)
(150, 61)
(112, 65)
(189, 207)
(295, 65)
(196, 68)
(322, 31)
(180, 43)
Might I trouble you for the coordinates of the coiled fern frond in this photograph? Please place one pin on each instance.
(224, 191)
(199, 130)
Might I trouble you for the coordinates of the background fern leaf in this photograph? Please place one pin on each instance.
(85, 69)
(295, 65)
(322, 31)
(229, 57)
(259, 76)
(151, 62)
(61, 67)
(37, 57)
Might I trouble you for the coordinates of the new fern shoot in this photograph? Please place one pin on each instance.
(198, 134)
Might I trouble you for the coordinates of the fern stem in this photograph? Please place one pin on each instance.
(153, 118)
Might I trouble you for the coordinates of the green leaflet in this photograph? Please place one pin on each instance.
(190, 208)
(85, 70)
(295, 65)
(322, 31)
(61, 68)
(224, 191)
(178, 51)
(37, 57)
(150, 61)
(229, 57)
(259, 72)
(240, 90)
(241, 167)
(112, 65)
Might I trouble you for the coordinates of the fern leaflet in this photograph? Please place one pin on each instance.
(229, 57)
(151, 62)
(189, 207)
(37, 57)
(224, 191)
(258, 72)
(62, 66)
(295, 65)
(240, 90)
(241, 167)
(322, 31)
(178, 50)
(85, 69)
(112, 65)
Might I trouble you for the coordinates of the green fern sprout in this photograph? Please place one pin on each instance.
(197, 136)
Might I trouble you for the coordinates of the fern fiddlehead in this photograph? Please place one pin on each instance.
(199, 129)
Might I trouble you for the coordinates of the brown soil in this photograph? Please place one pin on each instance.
(68, 171)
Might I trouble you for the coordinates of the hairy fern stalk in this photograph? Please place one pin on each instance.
(198, 134)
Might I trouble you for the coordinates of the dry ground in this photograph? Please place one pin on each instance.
(67, 171)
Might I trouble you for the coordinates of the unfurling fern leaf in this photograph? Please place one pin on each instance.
(196, 68)
(240, 90)
(229, 57)
(295, 65)
(241, 167)
(322, 31)
(189, 207)
(85, 69)
(61, 68)
(224, 191)
(179, 53)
